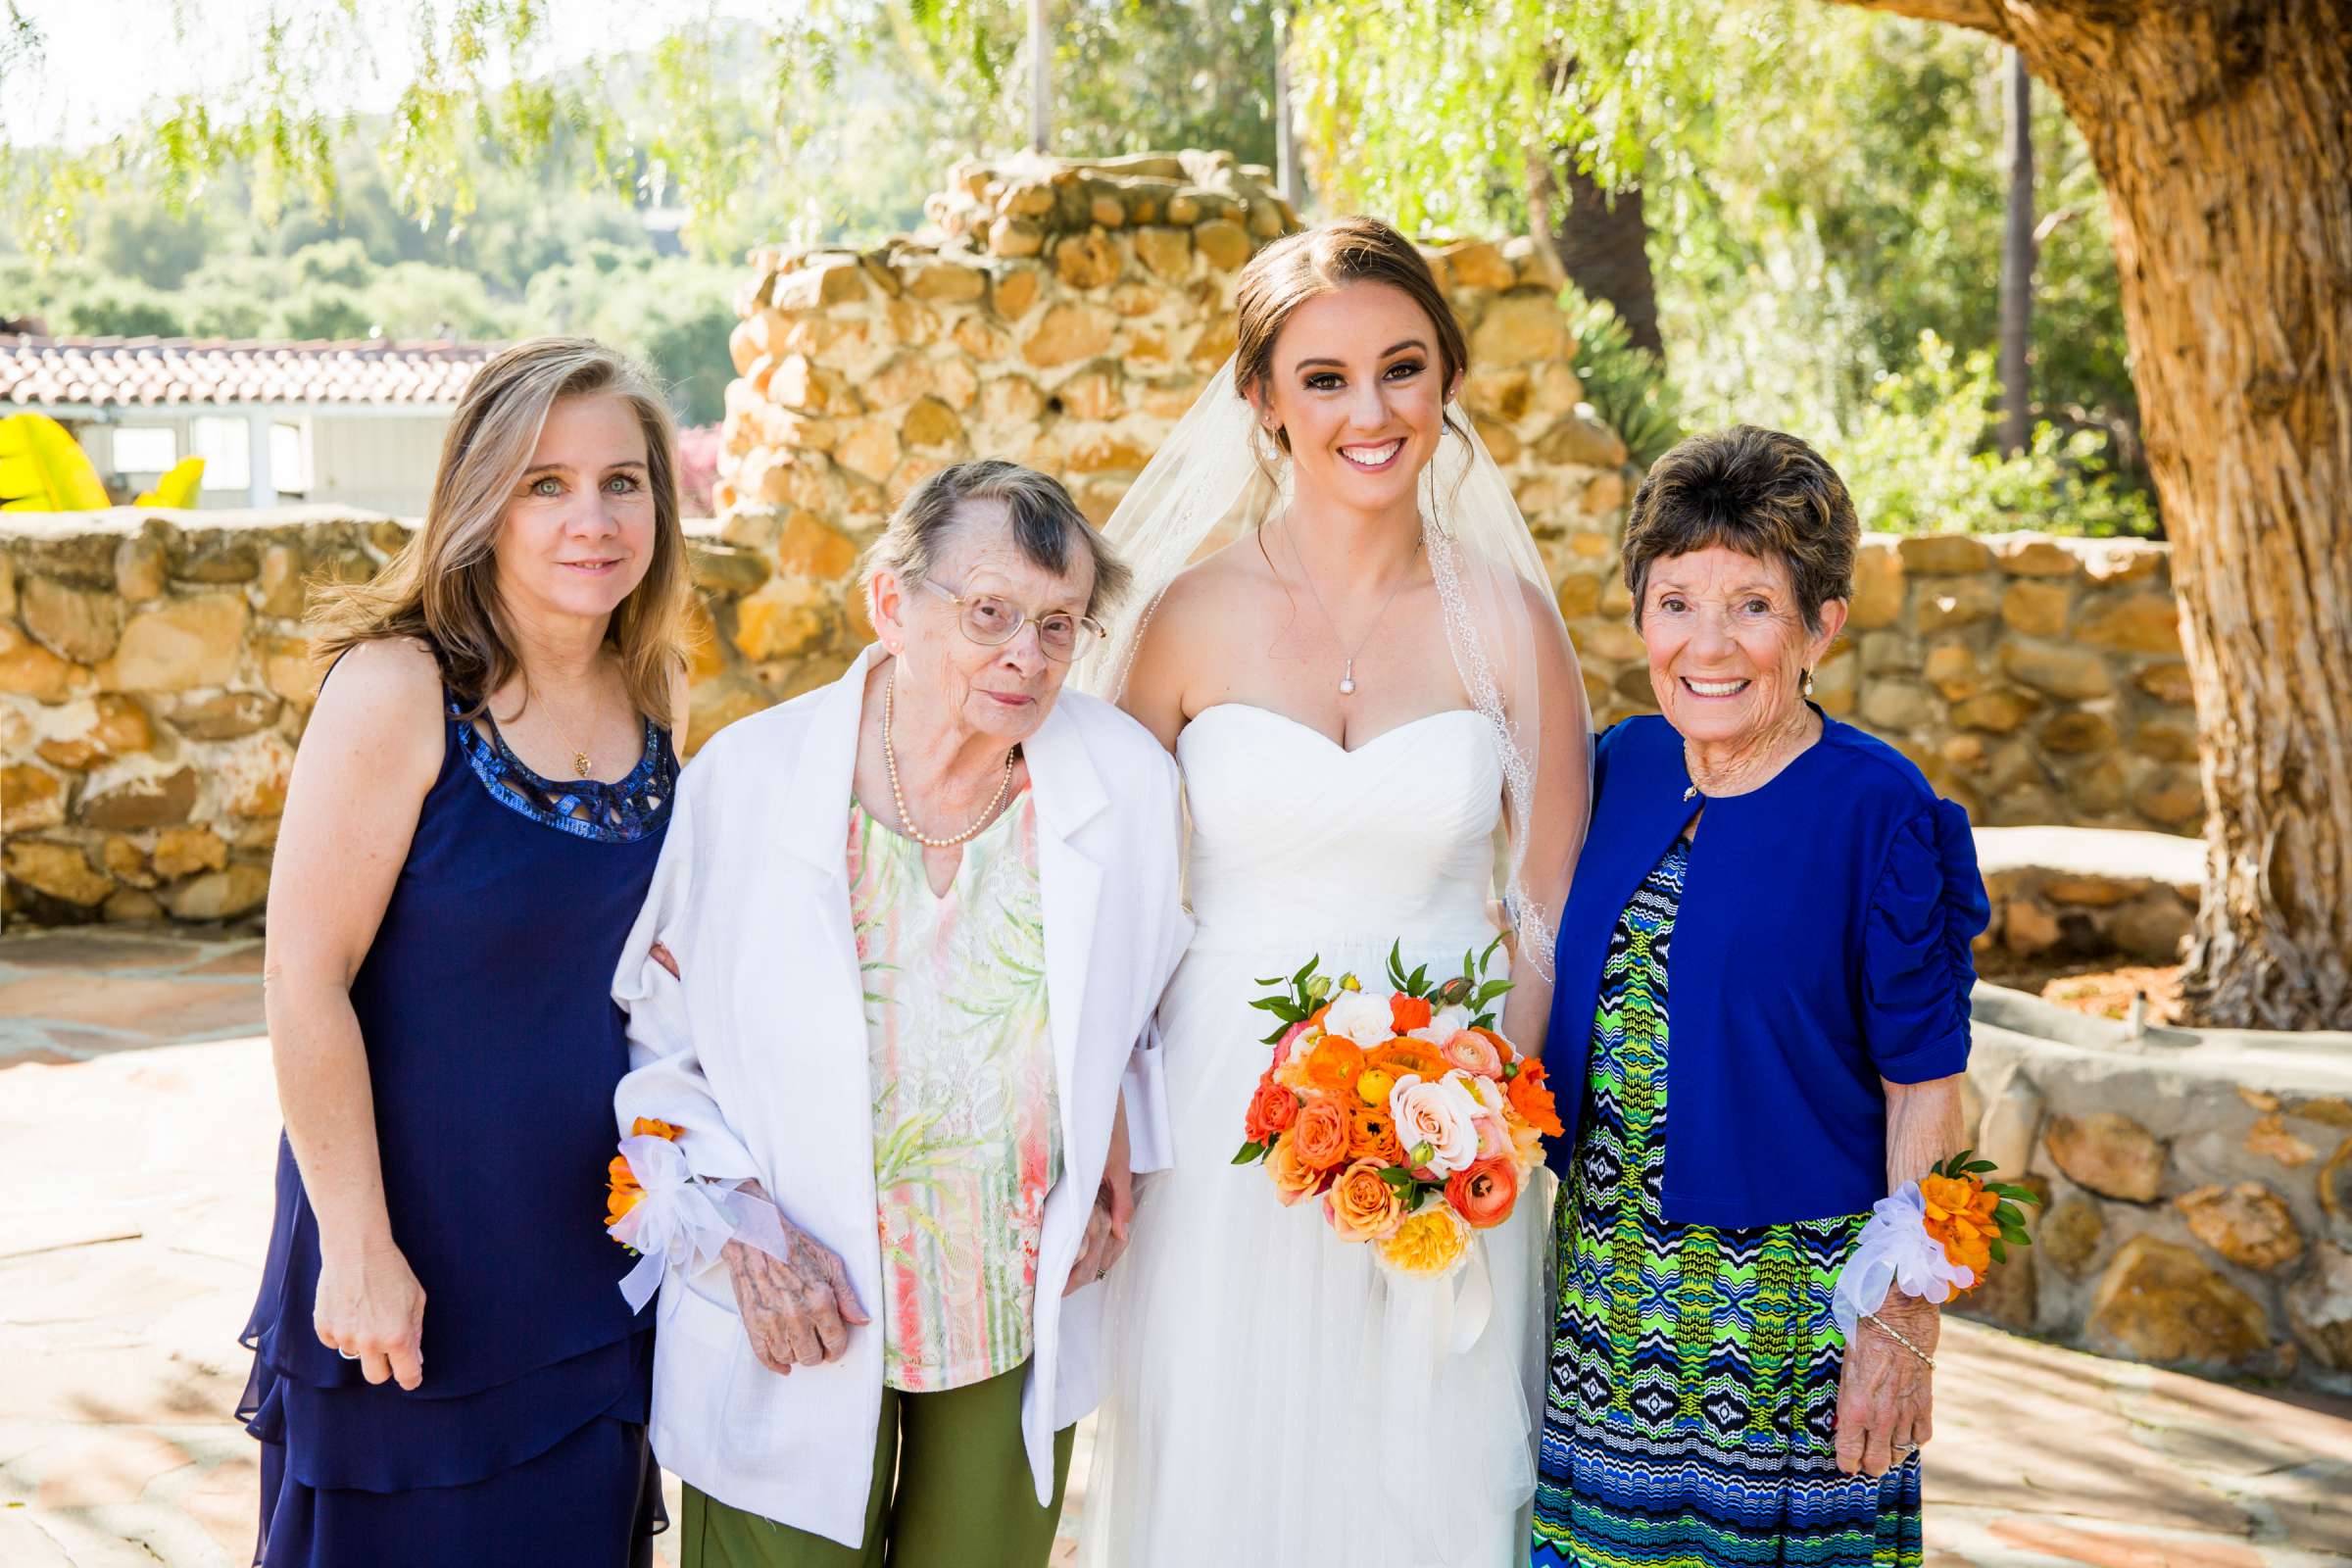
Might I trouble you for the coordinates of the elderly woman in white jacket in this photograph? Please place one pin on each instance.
(895, 975)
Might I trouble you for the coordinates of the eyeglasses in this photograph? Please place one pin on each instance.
(991, 621)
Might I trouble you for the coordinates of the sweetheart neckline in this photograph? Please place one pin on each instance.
(1303, 725)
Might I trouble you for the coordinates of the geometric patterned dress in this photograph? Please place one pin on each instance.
(1693, 1397)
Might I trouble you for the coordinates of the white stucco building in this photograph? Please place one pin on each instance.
(357, 424)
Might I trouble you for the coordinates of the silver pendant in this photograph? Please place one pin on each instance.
(1348, 680)
(1691, 794)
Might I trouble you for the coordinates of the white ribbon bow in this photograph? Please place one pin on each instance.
(682, 1219)
(1895, 1249)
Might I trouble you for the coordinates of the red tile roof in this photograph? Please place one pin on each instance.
(154, 370)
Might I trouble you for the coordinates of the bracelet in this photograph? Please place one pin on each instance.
(1898, 1336)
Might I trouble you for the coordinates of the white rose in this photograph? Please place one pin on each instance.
(1361, 1017)
(1444, 1025)
(1487, 1095)
(1441, 1117)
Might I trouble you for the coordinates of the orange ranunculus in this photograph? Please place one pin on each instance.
(1336, 1063)
(1272, 1109)
(1321, 1132)
(648, 1127)
(1409, 1013)
(1400, 1058)
(1372, 1135)
(1363, 1207)
(1502, 1047)
(1960, 1218)
(1531, 1100)
(1292, 1178)
(1484, 1194)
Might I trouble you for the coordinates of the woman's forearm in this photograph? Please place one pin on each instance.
(328, 1104)
(1527, 1011)
(1923, 1126)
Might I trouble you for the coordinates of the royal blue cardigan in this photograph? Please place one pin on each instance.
(1822, 945)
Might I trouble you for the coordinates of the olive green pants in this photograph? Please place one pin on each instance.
(952, 1489)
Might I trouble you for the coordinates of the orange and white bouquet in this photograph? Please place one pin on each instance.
(1403, 1111)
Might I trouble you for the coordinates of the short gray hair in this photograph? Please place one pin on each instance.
(1047, 526)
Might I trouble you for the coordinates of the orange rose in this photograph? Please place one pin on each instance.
(1484, 1194)
(1272, 1109)
(1336, 1063)
(646, 1127)
(1292, 1178)
(1531, 1100)
(1363, 1207)
(1409, 1013)
(1502, 1047)
(1372, 1135)
(1320, 1134)
(1400, 1058)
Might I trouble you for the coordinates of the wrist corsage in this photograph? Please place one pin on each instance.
(1933, 1238)
(656, 1207)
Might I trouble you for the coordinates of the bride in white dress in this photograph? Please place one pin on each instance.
(1346, 637)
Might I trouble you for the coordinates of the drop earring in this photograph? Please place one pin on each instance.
(1808, 683)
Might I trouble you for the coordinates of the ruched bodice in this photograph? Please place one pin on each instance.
(1292, 834)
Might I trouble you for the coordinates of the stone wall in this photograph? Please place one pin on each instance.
(154, 680)
(1065, 316)
(2036, 680)
(2198, 1186)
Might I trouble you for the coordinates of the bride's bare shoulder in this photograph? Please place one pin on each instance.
(1216, 586)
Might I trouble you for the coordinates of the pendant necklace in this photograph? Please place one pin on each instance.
(579, 757)
(1347, 670)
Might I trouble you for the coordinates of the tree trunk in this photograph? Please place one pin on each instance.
(2222, 134)
(2017, 266)
(1041, 78)
(1603, 246)
(1289, 180)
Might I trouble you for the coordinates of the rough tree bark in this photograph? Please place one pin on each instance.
(2223, 132)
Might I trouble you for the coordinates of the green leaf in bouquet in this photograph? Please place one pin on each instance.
(1397, 963)
(1418, 984)
(1252, 1153)
(1490, 991)
(1277, 980)
(2014, 1192)
(1398, 1177)
(1275, 1039)
(1305, 969)
(1488, 957)
(2000, 1253)
(1980, 1167)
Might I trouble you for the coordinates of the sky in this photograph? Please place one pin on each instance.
(103, 61)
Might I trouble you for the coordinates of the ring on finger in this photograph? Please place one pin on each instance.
(347, 1355)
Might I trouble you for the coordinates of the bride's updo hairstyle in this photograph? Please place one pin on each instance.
(1324, 259)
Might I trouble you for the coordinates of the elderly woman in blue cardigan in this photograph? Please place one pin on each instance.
(1811, 901)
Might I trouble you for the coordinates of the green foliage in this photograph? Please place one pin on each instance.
(1626, 384)
(1918, 461)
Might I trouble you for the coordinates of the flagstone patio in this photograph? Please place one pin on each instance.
(137, 1131)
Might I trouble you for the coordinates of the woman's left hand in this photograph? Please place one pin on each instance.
(1884, 1393)
(1115, 1209)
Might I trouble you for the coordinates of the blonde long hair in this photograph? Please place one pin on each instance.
(442, 587)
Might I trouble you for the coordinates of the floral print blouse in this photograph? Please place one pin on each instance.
(966, 1123)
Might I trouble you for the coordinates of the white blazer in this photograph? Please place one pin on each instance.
(760, 1054)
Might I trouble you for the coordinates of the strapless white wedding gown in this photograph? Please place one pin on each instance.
(1274, 1398)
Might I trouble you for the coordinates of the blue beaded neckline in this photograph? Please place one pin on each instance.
(623, 811)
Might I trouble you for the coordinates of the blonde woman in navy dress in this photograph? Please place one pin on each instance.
(444, 1369)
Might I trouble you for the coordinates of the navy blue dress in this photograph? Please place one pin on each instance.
(493, 1047)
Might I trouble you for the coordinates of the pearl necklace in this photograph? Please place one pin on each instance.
(898, 796)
